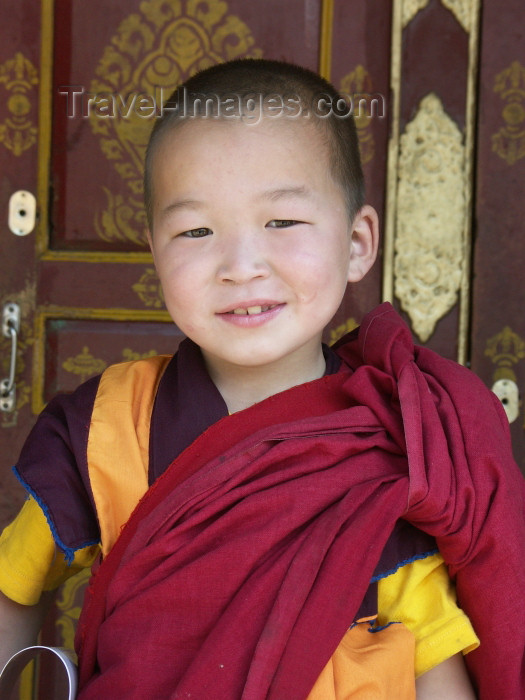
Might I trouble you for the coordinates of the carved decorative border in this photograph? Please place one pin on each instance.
(411, 8)
(429, 244)
(19, 78)
(470, 9)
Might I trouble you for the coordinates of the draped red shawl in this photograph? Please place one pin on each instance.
(242, 567)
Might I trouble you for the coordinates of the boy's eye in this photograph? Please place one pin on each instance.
(197, 233)
(282, 223)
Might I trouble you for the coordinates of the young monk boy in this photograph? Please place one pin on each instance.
(301, 510)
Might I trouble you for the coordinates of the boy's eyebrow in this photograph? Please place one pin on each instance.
(282, 192)
(181, 204)
(273, 195)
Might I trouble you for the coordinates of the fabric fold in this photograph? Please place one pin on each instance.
(227, 577)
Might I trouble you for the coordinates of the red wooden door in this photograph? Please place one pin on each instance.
(78, 83)
(498, 318)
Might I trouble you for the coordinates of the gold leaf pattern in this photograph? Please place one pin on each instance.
(341, 330)
(84, 364)
(128, 355)
(505, 348)
(19, 77)
(359, 82)
(149, 289)
(70, 612)
(509, 141)
(153, 52)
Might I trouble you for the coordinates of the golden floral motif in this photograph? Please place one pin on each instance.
(69, 603)
(149, 290)
(130, 355)
(123, 220)
(359, 83)
(84, 364)
(151, 53)
(505, 349)
(430, 217)
(509, 141)
(19, 77)
(341, 330)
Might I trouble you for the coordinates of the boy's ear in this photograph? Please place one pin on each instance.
(364, 243)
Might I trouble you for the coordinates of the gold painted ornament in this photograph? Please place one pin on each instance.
(428, 262)
(151, 53)
(19, 78)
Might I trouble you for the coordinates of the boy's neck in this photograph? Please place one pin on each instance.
(241, 387)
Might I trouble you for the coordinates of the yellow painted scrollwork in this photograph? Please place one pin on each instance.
(509, 141)
(505, 349)
(356, 83)
(149, 290)
(341, 330)
(19, 77)
(70, 607)
(129, 355)
(84, 365)
(152, 52)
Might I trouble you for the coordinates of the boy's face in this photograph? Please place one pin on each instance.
(252, 241)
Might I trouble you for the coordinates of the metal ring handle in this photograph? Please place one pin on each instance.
(16, 664)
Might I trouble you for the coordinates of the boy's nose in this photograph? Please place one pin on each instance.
(242, 260)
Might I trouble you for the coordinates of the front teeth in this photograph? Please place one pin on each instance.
(253, 310)
(249, 310)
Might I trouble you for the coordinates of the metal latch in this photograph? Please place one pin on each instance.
(22, 213)
(10, 329)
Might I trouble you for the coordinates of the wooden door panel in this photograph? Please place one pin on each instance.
(427, 239)
(20, 82)
(75, 349)
(85, 279)
(90, 293)
(498, 319)
(129, 66)
(356, 58)
(67, 269)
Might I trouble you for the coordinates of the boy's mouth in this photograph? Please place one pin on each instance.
(251, 310)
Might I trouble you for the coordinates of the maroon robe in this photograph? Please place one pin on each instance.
(242, 567)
